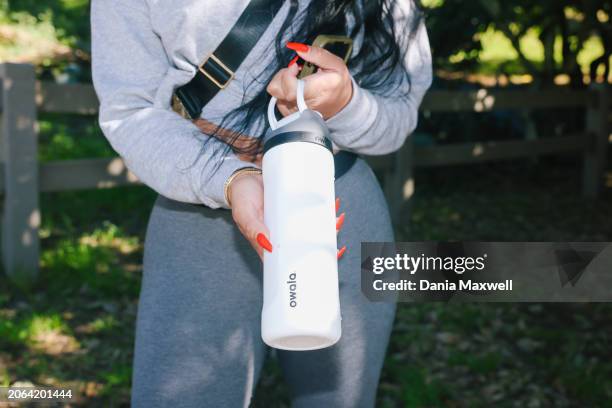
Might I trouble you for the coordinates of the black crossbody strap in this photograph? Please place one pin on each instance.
(217, 71)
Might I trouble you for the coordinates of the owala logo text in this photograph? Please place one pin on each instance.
(292, 285)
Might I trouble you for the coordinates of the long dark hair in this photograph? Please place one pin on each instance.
(376, 60)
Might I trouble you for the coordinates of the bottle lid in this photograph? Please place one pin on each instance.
(305, 125)
(311, 132)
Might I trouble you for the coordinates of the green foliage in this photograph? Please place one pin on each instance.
(417, 387)
(103, 324)
(69, 17)
(485, 364)
(64, 137)
(25, 329)
(53, 35)
(464, 20)
(119, 377)
(92, 241)
(438, 354)
(539, 38)
(545, 38)
(90, 263)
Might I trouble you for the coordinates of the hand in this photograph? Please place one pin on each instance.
(339, 224)
(246, 195)
(327, 91)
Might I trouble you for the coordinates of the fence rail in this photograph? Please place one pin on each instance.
(22, 178)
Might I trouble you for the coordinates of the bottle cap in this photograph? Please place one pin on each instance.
(305, 125)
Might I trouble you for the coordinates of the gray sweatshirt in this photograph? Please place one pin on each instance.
(144, 49)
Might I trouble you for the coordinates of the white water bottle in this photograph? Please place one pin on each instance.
(301, 308)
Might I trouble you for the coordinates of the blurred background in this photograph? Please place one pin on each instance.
(511, 146)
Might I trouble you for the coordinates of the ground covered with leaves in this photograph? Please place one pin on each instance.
(76, 326)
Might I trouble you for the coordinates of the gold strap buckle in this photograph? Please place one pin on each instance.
(214, 80)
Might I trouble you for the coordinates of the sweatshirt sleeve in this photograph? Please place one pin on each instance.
(373, 124)
(134, 81)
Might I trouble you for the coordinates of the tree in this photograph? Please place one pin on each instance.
(454, 25)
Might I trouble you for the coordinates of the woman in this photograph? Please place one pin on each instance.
(198, 339)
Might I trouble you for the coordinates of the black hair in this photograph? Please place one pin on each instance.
(372, 65)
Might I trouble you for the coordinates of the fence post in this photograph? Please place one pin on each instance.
(21, 218)
(597, 145)
(401, 186)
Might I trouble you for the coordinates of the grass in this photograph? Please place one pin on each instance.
(76, 326)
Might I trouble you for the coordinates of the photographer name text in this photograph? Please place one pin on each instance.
(426, 285)
(413, 264)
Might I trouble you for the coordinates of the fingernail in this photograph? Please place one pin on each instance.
(341, 252)
(339, 222)
(293, 60)
(296, 46)
(263, 241)
(337, 204)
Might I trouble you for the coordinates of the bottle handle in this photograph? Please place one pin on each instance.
(301, 104)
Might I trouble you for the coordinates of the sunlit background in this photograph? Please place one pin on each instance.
(74, 325)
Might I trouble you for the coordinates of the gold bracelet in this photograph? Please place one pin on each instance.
(231, 178)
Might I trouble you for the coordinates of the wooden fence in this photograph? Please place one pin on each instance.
(22, 178)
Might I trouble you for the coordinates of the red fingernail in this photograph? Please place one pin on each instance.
(339, 222)
(296, 46)
(293, 60)
(337, 204)
(263, 241)
(341, 252)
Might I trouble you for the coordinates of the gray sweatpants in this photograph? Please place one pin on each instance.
(198, 340)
